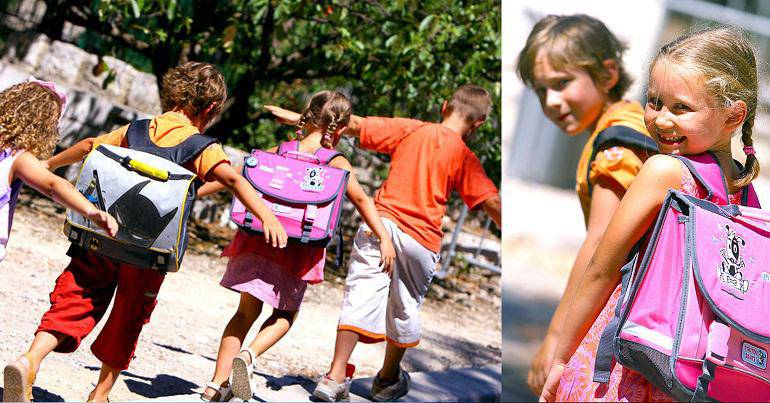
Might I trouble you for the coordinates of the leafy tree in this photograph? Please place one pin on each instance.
(400, 58)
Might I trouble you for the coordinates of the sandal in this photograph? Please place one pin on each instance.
(18, 380)
(222, 393)
(240, 378)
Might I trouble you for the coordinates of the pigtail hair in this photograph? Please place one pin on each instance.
(751, 170)
(328, 138)
(299, 135)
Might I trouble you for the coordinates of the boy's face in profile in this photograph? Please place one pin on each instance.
(569, 97)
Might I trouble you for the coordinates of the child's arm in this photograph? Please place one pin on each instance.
(288, 117)
(492, 207)
(71, 155)
(212, 187)
(634, 216)
(275, 234)
(30, 170)
(365, 207)
(605, 200)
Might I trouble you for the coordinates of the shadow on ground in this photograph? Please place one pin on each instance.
(525, 321)
(159, 386)
(42, 395)
(181, 350)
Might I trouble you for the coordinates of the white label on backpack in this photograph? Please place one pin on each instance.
(731, 267)
(754, 355)
(279, 208)
(766, 276)
(313, 181)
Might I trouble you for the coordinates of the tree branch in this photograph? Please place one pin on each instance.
(80, 17)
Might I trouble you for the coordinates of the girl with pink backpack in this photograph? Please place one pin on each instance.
(702, 88)
(279, 277)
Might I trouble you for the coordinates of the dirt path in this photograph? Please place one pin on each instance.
(177, 349)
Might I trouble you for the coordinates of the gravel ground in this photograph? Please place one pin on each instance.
(177, 349)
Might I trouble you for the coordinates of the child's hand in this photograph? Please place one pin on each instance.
(104, 220)
(284, 116)
(552, 383)
(275, 234)
(541, 365)
(46, 165)
(387, 255)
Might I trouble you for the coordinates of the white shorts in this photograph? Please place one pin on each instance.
(379, 307)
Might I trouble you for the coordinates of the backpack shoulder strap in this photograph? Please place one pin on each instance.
(138, 138)
(326, 155)
(191, 148)
(705, 169)
(138, 134)
(287, 146)
(619, 136)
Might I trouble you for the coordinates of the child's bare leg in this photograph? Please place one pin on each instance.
(274, 328)
(249, 309)
(42, 345)
(390, 366)
(343, 348)
(107, 378)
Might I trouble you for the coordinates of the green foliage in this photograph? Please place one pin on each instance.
(394, 58)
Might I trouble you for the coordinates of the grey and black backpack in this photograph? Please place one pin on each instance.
(148, 192)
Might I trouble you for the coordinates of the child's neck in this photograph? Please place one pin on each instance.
(312, 141)
(200, 124)
(456, 124)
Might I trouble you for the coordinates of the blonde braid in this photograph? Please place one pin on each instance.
(299, 135)
(328, 138)
(751, 170)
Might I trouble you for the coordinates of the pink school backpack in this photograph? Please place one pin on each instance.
(693, 314)
(301, 189)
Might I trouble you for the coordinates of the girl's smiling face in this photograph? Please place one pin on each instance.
(569, 97)
(681, 115)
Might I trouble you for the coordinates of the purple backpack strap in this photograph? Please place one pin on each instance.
(705, 169)
(325, 155)
(287, 146)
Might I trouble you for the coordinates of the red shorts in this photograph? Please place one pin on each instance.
(81, 296)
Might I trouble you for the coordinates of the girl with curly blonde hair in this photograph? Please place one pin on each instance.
(29, 118)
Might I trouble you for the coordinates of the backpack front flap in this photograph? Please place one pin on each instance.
(304, 196)
(731, 249)
(147, 195)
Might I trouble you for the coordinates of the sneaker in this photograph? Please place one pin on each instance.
(329, 391)
(388, 393)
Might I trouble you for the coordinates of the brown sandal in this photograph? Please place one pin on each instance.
(18, 380)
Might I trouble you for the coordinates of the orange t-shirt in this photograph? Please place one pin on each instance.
(619, 164)
(428, 161)
(170, 129)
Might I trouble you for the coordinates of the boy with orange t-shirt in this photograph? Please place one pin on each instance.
(428, 161)
(192, 94)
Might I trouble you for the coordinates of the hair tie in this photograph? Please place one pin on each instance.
(749, 150)
(51, 86)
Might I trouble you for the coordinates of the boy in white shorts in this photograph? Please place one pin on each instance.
(428, 161)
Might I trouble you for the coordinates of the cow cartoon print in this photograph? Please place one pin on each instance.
(732, 264)
(313, 180)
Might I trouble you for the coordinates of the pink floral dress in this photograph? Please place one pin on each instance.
(625, 385)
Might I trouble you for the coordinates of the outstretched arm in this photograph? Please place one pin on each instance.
(30, 170)
(634, 216)
(275, 234)
(365, 207)
(288, 117)
(492, 207)
(71, 155)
